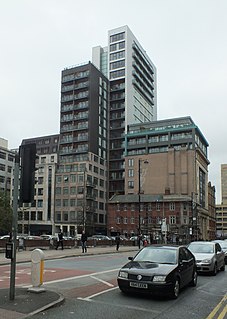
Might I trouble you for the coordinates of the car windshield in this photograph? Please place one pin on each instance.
(157, 255)
(202, 248)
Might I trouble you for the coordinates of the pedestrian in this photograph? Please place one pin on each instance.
(60, 240)
(84, 242)
(117, 240)
(139, 239)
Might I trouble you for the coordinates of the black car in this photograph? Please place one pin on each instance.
(159, 270)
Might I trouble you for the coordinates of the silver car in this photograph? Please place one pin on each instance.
(209, 256)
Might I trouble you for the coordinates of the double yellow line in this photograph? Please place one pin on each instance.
(223, 313)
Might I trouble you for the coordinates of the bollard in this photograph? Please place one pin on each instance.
(37, 270)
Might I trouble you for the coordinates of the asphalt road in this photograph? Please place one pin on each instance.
(90, 289)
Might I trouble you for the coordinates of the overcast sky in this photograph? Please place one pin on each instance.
(185, 39)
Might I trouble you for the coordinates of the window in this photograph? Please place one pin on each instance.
(172, 220)
(65, 191)
(117, 37)
(40, 191)
(40, 180)
(65, 217)
(2, 167)
(125, 220)
(131, 162)
(2, 155)
(65, 202)
(132, 220)
(149, 207)
(43, 160)
(58, 216)
(130, 173)
(58, 190)
(58, 202)
(40, 203)
(172, 206)
(40, 215)
(131, 184)
(33, 215)
(118, 220)
(72, 190)
(101, 218)
(158, 206)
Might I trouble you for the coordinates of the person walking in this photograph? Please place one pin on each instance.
(84, 242)
(60, 240)
(117, 240)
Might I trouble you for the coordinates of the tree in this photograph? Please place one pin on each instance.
(6, 213)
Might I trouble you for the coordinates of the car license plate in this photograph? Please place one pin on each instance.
(138, 285)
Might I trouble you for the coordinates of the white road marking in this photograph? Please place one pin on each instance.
(103, 281)
(97, 294)
(81, 276)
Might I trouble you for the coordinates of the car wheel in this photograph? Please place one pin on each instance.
(223, 267)
(176, 289)
(193, 282)
(215, 270)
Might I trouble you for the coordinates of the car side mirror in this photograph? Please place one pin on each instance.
(130, 258)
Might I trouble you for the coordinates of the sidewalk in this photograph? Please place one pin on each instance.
(27, 303)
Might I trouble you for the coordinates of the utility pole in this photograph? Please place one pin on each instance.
(14, 227)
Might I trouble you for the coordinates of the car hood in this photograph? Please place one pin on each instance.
(202, 256)
(148, 267)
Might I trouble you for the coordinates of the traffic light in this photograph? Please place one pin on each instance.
(27, 176)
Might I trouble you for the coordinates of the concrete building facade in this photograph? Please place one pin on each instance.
(133, 94)
(37, 218)
(6, 166)
(166, 165)
(221, 209)
(81, 177)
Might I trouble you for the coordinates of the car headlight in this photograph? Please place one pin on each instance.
(159, 278)
(123, 274)
(206, 261)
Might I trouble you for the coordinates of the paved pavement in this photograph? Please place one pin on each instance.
(27, 303)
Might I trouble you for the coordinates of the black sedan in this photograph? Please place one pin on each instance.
(159, 270)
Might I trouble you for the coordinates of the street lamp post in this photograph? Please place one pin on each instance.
(139, 197)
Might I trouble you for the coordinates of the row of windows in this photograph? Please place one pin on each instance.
(77, 75)
(77, 217)
(69, 97)
(148, 207)
(77, 190)
(125, 220)
(159, 138)
(117, 37)
(3, 168)
(117, 55)
(117, 46)
(74, 106)
(117, 64)
(30, 216)
(3, 156)
(117, 74)
(74, 86)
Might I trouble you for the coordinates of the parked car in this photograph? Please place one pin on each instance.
(5, 237)
(48, 237)
(223, 244)
(100, 237)
(158, 270)
(209, 256)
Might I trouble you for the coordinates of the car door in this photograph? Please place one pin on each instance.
(219, 255)
(184, 266)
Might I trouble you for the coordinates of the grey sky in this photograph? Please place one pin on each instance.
(185, 39)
